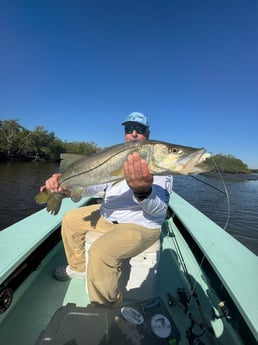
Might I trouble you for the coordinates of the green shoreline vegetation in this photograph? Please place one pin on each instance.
(17, 142)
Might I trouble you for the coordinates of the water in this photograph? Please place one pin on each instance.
(238, 214)
(233, 204)
(19, 183)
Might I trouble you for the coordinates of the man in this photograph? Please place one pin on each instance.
(130, 219)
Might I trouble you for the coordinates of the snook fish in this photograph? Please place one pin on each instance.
(107, 166)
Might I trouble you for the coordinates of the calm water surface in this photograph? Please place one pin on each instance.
(234, 207)
(231, 204)
(19, 183)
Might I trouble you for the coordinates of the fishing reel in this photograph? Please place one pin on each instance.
(225, 312)
(6, 297)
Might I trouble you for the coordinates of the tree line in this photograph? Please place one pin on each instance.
(228, 164)
(17, 142)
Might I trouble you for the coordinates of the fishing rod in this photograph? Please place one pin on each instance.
(184, 303)
(219, 190)
(209, 184)
(193, 338)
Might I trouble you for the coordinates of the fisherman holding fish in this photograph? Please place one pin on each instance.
(131, 214)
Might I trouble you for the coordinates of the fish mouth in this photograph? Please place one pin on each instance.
(190, 162)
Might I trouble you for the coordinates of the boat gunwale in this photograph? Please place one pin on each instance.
(232, 270)
(17, 245)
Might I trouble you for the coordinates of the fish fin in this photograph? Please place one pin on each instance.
(68, 159)
(42, 197)
(118, 172)
(100, 195)
(76, 193)
(54, 203)
(53, 200)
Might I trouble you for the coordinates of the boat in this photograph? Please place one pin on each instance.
(203, 288)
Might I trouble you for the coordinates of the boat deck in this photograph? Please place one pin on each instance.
(36, 301)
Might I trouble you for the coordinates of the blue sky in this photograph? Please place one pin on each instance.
(78, 68)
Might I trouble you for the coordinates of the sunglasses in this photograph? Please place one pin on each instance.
(139, 129)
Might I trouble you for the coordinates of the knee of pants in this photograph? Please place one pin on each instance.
(98, 257)
(66, 218)
(68, 223)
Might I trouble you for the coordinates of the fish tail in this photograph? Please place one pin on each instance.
(53, 200)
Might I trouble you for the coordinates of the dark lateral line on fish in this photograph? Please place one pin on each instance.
(104, 161)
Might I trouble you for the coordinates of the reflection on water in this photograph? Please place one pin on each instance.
(234, 206)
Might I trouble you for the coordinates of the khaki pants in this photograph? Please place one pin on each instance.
(120, 241)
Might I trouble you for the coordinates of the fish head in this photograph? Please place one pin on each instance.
(177, 159)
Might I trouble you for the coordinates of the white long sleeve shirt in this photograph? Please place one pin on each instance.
(120, 205)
